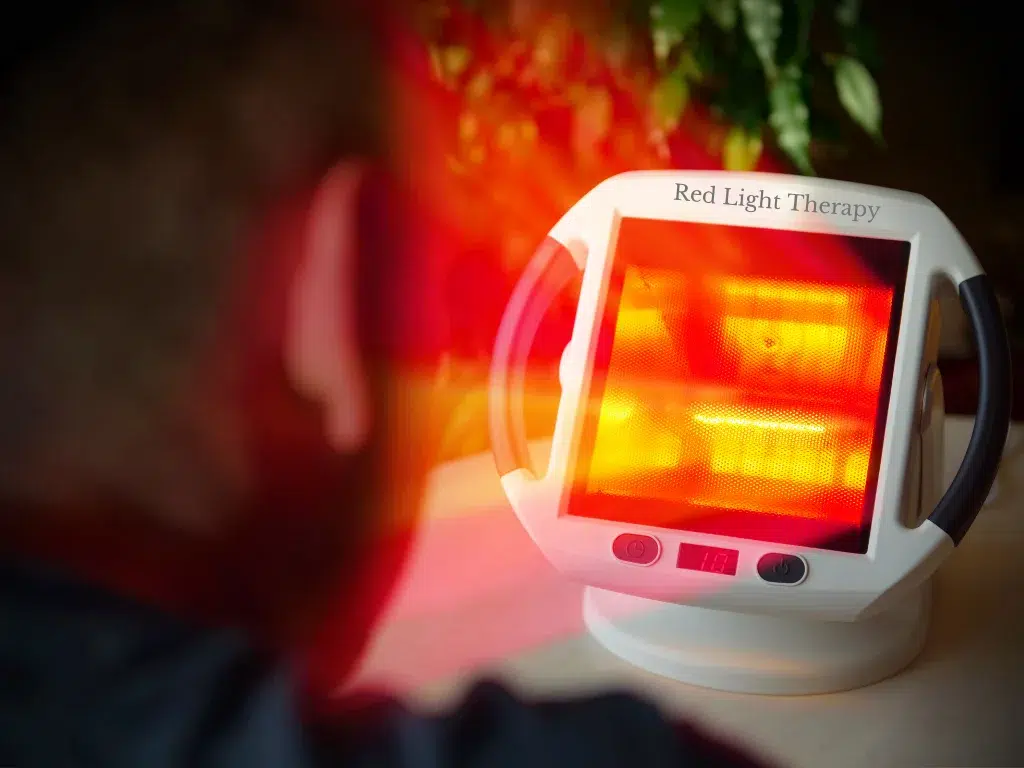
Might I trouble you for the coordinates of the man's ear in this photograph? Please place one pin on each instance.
(322, 355)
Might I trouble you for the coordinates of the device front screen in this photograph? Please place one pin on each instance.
(740, 383)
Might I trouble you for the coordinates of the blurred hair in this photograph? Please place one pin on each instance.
(141, 142)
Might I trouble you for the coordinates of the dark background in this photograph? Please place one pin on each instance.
(951, 94)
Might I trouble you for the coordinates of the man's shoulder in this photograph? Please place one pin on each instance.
(494, 728)
(90, 678)
(98, 679)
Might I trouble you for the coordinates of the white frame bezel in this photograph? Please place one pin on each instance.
(838, 585)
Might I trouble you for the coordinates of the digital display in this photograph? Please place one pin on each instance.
(741, 382)
(697, 557)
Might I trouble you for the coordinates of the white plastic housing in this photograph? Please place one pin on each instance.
(838, 586)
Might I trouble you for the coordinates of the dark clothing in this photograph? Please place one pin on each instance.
(91, 679)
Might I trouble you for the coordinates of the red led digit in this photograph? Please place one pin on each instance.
(697, 557)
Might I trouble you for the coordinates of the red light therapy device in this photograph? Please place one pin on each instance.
(748, 449)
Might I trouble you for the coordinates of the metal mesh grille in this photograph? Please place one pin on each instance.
(733, 390)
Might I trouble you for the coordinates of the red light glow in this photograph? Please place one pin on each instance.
(737, 386)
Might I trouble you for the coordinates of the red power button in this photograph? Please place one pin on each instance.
(636, 549)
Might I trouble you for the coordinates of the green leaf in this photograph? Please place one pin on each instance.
(670, 21)
(790, 119)
(668, 100)
(678, 15)
(741, 150)
(858, 94)
(689, 67)
(664, 40)
(723, 12)
(762, 21)
(847, 12)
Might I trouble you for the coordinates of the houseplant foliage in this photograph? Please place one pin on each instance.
(541, 102)
(771, 71)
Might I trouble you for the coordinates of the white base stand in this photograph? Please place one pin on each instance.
(746, 653)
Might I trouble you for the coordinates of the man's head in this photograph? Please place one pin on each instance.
(200, 297)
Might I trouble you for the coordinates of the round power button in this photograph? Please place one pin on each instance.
(636, 549)
(782, 569)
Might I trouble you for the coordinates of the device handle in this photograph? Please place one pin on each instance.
(550, 270)
(965, 497)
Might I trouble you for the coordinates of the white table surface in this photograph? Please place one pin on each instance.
(478, 599)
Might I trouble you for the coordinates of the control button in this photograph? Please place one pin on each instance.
(636, 549)
(782, 569)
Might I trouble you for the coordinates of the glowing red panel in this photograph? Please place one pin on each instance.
(740, 386)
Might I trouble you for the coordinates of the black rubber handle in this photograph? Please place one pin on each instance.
(550, 270)
(963, 500)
